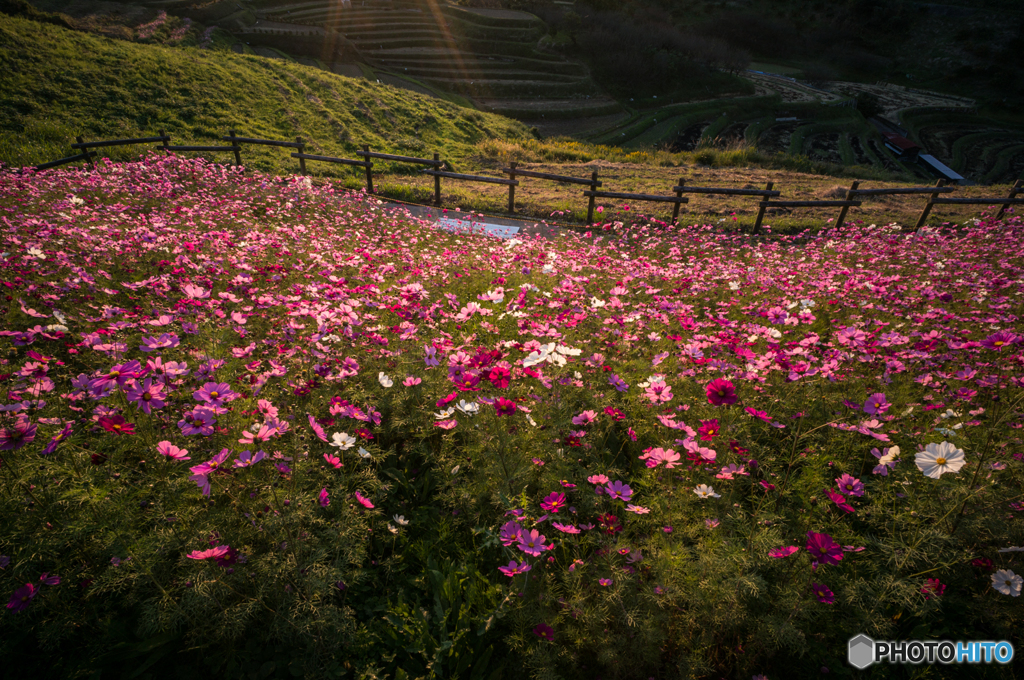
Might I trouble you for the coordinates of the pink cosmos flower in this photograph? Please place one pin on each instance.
(784, 551)
(446, 424)
(933, 587)
(172, 452)
(317, 429)
(199, 421)
(323, 498)
(605, 582)
(201, 473)
(637, 509)
(364, 501)
(515, 568)
(584, 418)
(214, 553)
(411, 380)
(499, 376)
(721, 392)
(823, 549)
(333, 461)
(598, 479)
(565, 528)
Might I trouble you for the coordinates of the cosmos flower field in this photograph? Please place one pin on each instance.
(262, 427)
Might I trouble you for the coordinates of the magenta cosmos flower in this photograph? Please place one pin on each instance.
(532, 543)
(721, 392)
(998, 340)
(784, 551)
(20, 434)
(822, 592)
(554, 502)
(876, 404)
(544, 632)
(147, 396)
(22, 597)
(504, 407)
(823, 549)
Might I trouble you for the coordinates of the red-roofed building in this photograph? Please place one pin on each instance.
(901, 146)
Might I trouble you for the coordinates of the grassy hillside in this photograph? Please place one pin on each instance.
(107, 88)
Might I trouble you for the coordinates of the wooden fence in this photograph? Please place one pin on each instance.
(435, 165)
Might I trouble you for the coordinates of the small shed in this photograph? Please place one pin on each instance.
(901, 146)
(940, 169)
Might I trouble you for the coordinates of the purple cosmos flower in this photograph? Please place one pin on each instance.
(510, 533)
(57, 438)
(199, 421)
(515, 568)
(49, 579)
(165, 341)
(248, 459)
(998, 340)
(147, 396)
(215, 394)
(876, 404)
(619, 491)
(618, 383)
(532, 543)
(823, 549)
(850, 486)
(431, 356)
(21, 597)
(172, 452)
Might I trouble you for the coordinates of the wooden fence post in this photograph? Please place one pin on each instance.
(512, 187)
(590, 204)
(761, 210)
(929, 204)
(1013, 194)
(849, 197)
(165, 141)
(679, 194)
(238, 152)
(369, 170)
(302, 150)
(93, 165)
(437, 180)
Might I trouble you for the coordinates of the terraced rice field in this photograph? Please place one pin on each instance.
(490, 56)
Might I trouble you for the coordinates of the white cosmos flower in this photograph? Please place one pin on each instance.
(734, 285)
(939, 458)
(384, 380)
(890, 455)
(445, 414)
(363, 453)
(401, 521)
(470, 408)
(1011, 549)
(597, 304)
(705, 491)
(343, 441)
(1006, 582)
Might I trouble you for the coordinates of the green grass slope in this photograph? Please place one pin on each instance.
(107, 89)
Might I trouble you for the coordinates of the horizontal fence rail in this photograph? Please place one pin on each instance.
(435, 165)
